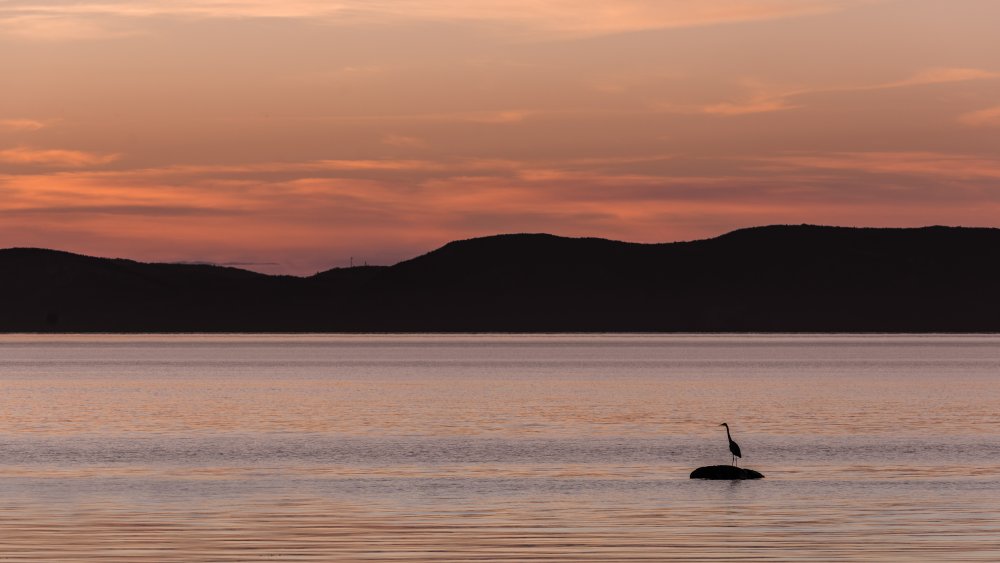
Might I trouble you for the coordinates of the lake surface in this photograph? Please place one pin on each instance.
(498, 448)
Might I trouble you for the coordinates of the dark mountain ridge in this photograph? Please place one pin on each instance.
(764, 279)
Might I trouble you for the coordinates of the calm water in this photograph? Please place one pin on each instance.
(465, 448)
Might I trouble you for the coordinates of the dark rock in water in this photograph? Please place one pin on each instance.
(725, 472)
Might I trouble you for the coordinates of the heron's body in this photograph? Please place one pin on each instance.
(734, 448)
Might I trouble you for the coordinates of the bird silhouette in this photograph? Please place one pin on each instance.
(734, 448)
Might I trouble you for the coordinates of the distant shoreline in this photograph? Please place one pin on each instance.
(766, 280)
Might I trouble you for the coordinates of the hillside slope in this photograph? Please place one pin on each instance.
(779, 278)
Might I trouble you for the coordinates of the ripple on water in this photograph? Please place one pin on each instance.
(497, 448)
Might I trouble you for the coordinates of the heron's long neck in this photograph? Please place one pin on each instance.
(727, 434)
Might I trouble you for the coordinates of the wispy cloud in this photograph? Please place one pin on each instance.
(924, 164)
(55, 19)
(936, 76)
(151, 211)
(54, 157)
(771, 99)
(509, 116)
(403, 141)
(749, 107)
(989, 117)
(596, 17)
(502, 116)
(61, 26)
(21, 125)
(753, 105)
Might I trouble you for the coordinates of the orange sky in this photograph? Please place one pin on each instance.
(290, 136)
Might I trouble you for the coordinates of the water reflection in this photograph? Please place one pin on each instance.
(500, 448)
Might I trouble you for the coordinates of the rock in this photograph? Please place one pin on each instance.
(725, 472)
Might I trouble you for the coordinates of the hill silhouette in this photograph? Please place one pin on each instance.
(765, 279)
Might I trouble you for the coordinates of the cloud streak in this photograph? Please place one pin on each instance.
(21, 125)
(921, 164)
(747, 108)
(778, 99)
(58, 158)
(572, 18)
(989, 117)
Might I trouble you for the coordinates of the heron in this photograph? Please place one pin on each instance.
(734, 448)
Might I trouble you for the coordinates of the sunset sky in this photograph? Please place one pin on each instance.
(289, 136)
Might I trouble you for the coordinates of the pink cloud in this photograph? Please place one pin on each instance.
(403, 141)
(906, 163)
(55, 157)
(751, 107)
(940, 76)
(572, 18)
(989, 117)
(21, 124)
